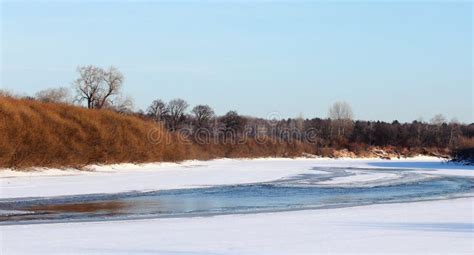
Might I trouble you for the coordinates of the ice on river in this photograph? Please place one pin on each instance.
(432, 227)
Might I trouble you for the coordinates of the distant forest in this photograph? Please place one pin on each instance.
(209, 136)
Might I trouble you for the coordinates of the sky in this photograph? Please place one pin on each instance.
(391, 60)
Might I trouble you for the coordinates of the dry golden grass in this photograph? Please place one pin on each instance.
(37, 134)
(58, 135)
(465, 143)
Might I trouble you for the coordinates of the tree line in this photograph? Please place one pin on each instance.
(99, 88)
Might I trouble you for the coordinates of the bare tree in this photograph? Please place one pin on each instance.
(54, 95)
(97, 86)
(299, 122)
(203, 114)
(455, 132)
(176, 109)
(438, 120)
(89, 84)
(341, 114)
(454, 120)
(233, 122)
(158, 110)
(113, 80)
(123, 104)
(6, 93)
(340, 111)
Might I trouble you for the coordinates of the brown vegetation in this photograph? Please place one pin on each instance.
(466, 142)
(465, 153)
(45, 134)
(39, 134)
(57, 135)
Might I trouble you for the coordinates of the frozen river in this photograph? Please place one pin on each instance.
(262, 206)
(317, 189)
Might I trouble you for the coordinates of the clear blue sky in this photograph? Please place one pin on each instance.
(397, 60)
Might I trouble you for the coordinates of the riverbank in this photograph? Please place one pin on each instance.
(189, 174)
(436, 227)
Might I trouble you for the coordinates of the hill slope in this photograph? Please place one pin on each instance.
(38, 134)
(55, 135)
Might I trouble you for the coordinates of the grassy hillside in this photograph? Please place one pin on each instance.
(34, 133)
(38, 134)
(54, 135)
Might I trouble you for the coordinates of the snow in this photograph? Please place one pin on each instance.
(121, 178)
(189, 174)
(439, 227)
(360, 176)
(434, 227)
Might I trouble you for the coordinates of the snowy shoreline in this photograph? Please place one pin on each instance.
(35, 171)
(441, 226)
(434, 227)
(192, 174)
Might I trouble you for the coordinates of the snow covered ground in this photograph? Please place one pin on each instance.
(442, 227)
(190, 174)
(435, 227)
